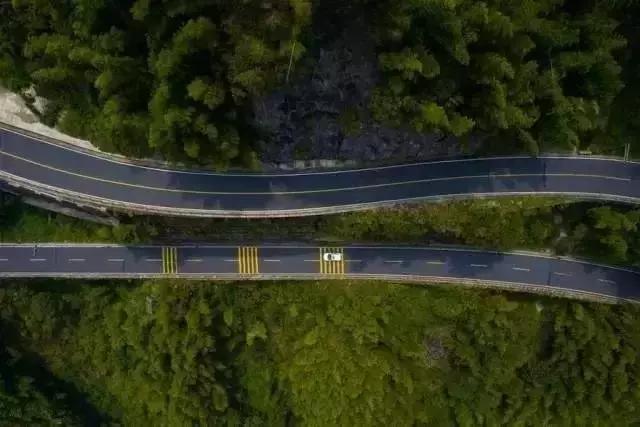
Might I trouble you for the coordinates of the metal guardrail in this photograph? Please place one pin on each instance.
(99, 203)
(418, 280)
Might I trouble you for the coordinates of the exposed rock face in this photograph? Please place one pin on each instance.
(324, 113)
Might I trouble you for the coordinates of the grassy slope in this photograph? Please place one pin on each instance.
(23, 223)
(534, 223)
(479, 222)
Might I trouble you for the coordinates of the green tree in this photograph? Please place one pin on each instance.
(540, 73)
(152, 76)
(612, 234)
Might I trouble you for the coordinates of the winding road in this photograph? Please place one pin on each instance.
(524, 272)
(84, 177)
(79, 176)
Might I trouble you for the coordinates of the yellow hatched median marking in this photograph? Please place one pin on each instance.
(332, 267)
(169, 260)
(248, 260)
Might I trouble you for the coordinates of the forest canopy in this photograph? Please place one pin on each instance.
(179, 79)
(322, 354)
(544, 72)
(330, 353)
(146, 76)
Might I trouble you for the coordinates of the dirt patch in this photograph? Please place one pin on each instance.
(324, 113)
(14, 111)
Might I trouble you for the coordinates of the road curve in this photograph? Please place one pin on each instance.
(522, 272)
(79, 176)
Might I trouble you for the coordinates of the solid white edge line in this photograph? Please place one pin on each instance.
(169, 190)
(106, 157)
(190, 212)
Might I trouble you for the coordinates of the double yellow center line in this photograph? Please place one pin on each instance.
(248, 260)
(331, 267)
(169, 260)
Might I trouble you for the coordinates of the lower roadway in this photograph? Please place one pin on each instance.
(525, 272)
(82, 177)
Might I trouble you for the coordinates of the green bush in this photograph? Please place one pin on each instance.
(330, 353)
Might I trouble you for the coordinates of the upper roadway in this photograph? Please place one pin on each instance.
(84, 177)
(523, 272)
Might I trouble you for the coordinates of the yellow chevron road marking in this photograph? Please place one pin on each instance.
(248, 260)
(331, 267)
(169, 260)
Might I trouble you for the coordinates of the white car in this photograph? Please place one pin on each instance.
(332, 256)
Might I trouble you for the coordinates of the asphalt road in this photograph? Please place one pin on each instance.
(90, 178)
(525, 272)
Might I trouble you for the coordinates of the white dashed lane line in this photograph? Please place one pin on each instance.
(77, 260)
(479, 265)
(271, 260)
(193, 260)
(557, 273)
(153, 260)
(435, 262)
(4, 259)
(609, 282)
(38, 259)
(521, 269)
(116, 260)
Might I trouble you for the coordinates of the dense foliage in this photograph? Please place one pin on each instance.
(22, 402)
(606, 233)
(609, 233)
(330, 354)
(179, 78)
(144, 76)
(22, 223)
(543, 72)
(29, 393)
